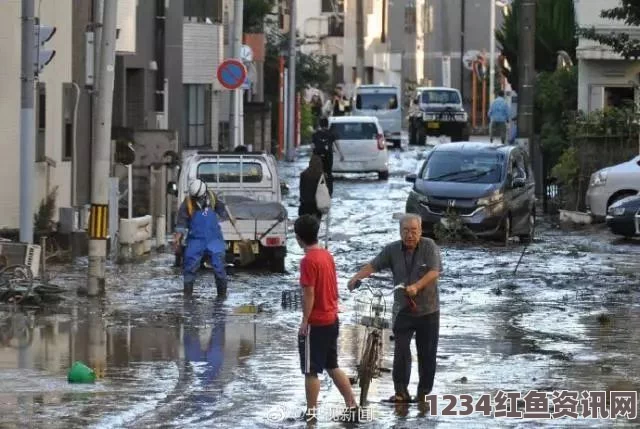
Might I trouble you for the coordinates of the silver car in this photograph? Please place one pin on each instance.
(612, 184)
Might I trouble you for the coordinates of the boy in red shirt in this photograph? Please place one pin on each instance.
(318, 334)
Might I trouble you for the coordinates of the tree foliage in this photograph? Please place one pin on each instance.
(555, 31)
(620, 42)
(255, 14)
(312, 70)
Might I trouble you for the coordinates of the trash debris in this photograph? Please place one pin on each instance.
(81, 374)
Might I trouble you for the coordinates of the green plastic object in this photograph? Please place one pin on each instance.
(80, 373)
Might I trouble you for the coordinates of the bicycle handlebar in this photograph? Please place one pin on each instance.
(412, 303)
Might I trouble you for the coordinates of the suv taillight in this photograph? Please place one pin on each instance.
(381, 142)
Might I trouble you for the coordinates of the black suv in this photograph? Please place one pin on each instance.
(489, 186)
(437, 112)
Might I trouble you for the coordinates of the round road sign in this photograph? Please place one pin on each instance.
(232, 73)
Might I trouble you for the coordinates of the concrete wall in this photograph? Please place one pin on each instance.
(599, 66)
(444, 39)
(53, 76)
(595, 75)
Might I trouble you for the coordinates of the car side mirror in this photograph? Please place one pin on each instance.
(172, 189)
(519, 182)
(411, 178)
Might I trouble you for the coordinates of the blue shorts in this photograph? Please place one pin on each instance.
(319, 349)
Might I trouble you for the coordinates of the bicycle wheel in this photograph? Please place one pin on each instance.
(368, 367)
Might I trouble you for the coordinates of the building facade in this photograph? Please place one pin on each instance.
(604, 77)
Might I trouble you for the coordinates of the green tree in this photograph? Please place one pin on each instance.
(312, 70)
(622, 43)
(555, 31)
(255, 14)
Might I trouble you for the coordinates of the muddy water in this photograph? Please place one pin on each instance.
(567, 320)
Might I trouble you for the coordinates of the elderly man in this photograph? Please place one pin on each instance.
(414, 262)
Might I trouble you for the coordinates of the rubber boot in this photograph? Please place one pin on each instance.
(221, 288)
(188, 288)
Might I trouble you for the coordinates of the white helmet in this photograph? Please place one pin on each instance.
(197, 188)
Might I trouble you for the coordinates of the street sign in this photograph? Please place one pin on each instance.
(232, 74)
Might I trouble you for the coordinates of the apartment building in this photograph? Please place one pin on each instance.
(55, 98)
(393, 42)
(166, 59)
(604, 77)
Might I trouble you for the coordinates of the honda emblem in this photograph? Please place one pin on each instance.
(452, 203)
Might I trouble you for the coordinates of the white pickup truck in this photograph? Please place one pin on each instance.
(249, 185)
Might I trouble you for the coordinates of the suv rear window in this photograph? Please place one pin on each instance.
(379, 101)
(230, 172)
(440, 97)
(355, 130)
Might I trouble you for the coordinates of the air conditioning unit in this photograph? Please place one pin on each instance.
(12, 253)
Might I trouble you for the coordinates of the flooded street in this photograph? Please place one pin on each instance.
(569, 319)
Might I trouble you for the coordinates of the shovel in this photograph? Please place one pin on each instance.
(245, 248)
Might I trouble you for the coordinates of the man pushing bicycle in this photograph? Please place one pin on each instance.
(415, 262)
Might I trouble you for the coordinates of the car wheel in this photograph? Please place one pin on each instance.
(529, 236)
(505, 231)
(383, 175)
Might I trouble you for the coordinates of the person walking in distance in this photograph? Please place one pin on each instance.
(199, 218)
(499, 116)
(319, 328)
(324, 142)
(414, 262)
(309, 179)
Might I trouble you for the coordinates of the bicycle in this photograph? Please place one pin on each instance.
(369, 365)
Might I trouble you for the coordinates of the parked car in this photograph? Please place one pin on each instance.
(363, 145)
(612, 184)
(437, 112)
(249, 184)
(383, 102)
(623, 217)
(489, 186)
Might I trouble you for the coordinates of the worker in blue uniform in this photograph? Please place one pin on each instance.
(199, 219)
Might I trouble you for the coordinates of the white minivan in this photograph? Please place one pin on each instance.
(383, 102)
(363, 145)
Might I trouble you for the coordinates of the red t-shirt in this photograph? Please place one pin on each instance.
(318, 270)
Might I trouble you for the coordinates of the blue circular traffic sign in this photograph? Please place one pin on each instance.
(232, 74)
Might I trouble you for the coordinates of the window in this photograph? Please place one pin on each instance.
(230, 172)
(209, 11)
(355, 130)
(378, 101)
(336, 27)
(198, 115)
(41, 121)
(440, 97)
(618, 96)
(410, 20)
(69, 97)
(332, 6)
(467, 167)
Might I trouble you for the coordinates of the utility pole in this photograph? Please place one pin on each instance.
(99, 219)
(463, 20)
(291, 82)
(526, 70)
(236, 95)
(27, 123)
(492, 52)
(359, 42)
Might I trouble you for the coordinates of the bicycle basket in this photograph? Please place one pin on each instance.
(373, 312)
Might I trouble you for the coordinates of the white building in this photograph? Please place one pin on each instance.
(604, 77)
(53, 97)
(393, 41)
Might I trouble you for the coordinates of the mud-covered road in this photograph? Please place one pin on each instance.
(568, 320)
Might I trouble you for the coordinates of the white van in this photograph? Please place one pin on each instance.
(384, 103)
(362, 144)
